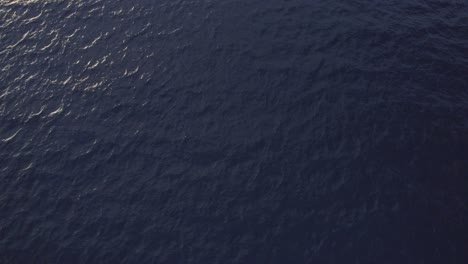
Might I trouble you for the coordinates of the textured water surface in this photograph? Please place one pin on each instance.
(233, 131)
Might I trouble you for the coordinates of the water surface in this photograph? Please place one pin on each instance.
(233, 131)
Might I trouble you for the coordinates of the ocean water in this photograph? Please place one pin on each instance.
(233, 131)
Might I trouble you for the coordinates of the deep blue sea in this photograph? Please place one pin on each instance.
(234, 131)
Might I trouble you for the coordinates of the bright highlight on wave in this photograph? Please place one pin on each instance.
(24, 2)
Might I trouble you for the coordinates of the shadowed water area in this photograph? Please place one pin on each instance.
(234, 131)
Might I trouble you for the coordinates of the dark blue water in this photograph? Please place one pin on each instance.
(233, 131)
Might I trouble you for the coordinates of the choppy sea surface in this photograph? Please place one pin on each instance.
(233, 131)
